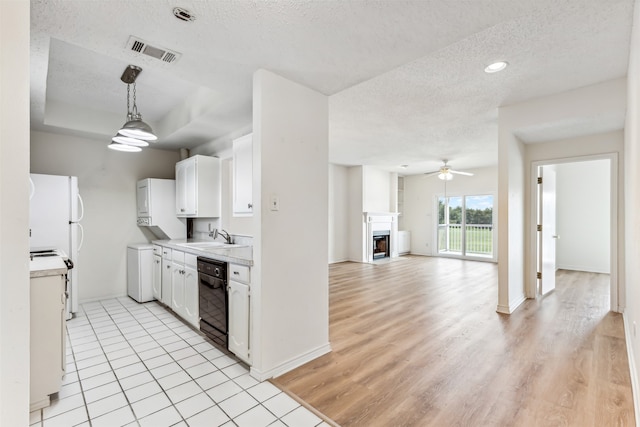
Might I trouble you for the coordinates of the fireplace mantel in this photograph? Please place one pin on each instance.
(380, 221)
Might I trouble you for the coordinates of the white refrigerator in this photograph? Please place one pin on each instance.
(55, 212)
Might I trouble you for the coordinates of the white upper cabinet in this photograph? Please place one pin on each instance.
(143, 197)
(243, 176)
(198, 187)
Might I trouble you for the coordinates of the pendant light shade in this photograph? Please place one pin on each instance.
(136, 128)
(124, 147)
(121, 139)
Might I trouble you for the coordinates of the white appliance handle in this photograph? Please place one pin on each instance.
(81, 236)
(81, 208)
(32, 188)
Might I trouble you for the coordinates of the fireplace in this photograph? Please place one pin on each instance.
(381, 244)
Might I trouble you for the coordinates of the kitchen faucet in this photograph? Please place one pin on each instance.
(223, 233)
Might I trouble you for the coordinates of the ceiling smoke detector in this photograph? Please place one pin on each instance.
(183, 14)
(140, 46)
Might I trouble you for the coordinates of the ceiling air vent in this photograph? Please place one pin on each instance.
(140, 46)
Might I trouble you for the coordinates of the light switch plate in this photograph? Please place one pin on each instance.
(275, 203)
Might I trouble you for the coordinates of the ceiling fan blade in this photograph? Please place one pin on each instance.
(432, 173)
(461, 173)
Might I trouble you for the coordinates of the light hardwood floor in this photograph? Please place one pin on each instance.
(418, 342)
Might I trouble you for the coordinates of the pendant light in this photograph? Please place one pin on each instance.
(135, 133)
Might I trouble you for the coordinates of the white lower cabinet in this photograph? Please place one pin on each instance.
(184, 287)
(239, 317)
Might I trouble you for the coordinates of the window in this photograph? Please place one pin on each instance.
(465, 226)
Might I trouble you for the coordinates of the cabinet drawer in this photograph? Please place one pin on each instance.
(190, 259)
(177, 256)
(157, 250)
(166, 253)
(239, 273)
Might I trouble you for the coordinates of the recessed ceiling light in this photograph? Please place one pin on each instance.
(496, 66)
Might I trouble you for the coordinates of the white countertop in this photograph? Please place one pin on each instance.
(237, 254)
(47, 266)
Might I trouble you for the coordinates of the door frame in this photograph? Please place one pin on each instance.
(615, 290)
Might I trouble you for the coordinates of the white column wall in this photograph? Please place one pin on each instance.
(632, 206)
(14, 213)
(357, 227)
(338, 213)
(290, 291)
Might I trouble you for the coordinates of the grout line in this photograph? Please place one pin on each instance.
(127, 320)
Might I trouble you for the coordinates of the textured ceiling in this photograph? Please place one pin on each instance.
(405, 78)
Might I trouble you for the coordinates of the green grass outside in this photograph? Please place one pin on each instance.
(479, 240)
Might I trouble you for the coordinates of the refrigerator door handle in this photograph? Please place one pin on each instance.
(81, 228)
(81, 209)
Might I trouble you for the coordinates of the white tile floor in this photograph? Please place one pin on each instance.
(138, 365)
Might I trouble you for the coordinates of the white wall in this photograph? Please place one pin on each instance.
(632, 205)
(420, 210)
(290, 283)
(14, 213)
(107, 182)
(583, 216)
(338, 213)
(376, 189)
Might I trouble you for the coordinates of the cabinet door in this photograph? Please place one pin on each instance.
(243, 176)
(186, 187)
(156, 277)
(191, 302)
(166, 282)
(143, 198)
(239, 320)
(177, 288)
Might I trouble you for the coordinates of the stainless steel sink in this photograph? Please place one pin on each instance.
(207, 245)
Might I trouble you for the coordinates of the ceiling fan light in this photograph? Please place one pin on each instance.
(136, 128)
(445, 176)
(127, 140)
(124, 147)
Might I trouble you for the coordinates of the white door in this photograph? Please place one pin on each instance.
(547, 237)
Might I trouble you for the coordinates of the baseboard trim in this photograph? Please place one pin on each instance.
(581, 268)
(290, 364)
(511, 307)
(633, 371)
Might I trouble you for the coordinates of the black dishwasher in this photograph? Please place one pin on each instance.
(214, 303)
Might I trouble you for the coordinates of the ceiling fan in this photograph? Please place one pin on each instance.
(446, 173)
